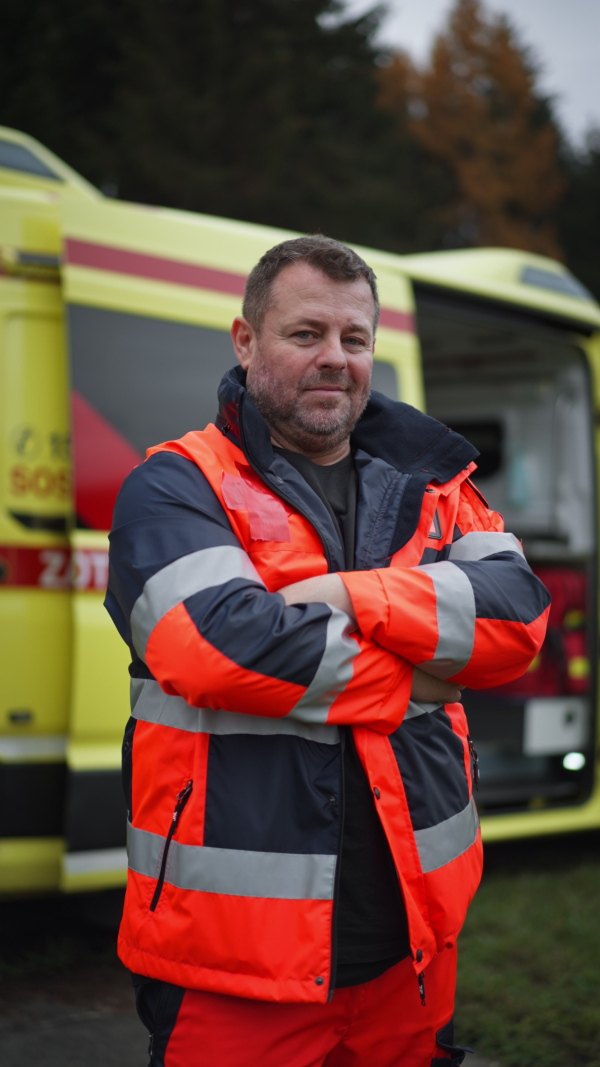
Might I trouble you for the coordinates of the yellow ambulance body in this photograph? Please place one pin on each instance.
(114, 322)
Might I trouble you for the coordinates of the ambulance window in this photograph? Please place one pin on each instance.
(152, 380)
(557, 283)
(136, 382)
(17, 157)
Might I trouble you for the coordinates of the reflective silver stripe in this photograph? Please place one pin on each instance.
(455, 609)
(181, 579)
(234, 872)
(333, 673)
(149, 703)
(49, 748)
(415, 709)
(478, 545)
(95, 861)
(438, 845)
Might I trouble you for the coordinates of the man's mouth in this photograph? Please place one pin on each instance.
(327, 389)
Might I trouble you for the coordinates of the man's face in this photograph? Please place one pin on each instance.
(309, 369)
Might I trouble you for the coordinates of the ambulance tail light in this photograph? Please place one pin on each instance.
(562, 667)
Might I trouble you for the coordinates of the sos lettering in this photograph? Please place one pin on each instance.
(41, 482)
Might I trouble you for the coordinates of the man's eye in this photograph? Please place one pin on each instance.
(304, 335)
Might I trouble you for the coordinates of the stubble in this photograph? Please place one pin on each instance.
(311, 427)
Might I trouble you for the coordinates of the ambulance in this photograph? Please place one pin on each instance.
(114, 322)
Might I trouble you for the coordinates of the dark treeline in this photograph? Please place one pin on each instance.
(287, 113)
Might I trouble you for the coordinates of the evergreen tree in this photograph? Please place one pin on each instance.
(418, 174)
(263, 110)
(60, 63)
(579, 215)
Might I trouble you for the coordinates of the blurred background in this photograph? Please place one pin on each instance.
(410, 127)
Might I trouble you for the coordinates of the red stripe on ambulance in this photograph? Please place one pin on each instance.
(122, 261)
(103, 458)
(54, 569)
(178, 272)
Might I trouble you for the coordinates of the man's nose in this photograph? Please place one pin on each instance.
(332, 354)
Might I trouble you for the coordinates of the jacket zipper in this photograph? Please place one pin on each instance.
(474, 764)
(474, 758)
(294, 504)
(182, 799)
(338, 868)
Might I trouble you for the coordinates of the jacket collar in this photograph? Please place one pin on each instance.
(401, 435)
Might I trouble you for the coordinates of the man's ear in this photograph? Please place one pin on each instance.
(243, 336)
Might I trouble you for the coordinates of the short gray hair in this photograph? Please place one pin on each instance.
(332, 258)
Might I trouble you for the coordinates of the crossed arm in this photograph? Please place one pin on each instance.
(331, 589)
(185, 596)
(475, 619)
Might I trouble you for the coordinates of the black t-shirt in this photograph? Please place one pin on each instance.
(336, 485)
(371, 927)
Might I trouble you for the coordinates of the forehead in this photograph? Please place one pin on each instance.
(302, 290)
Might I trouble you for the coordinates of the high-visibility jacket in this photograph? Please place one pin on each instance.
(233, 754)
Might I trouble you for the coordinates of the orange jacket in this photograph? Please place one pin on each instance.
(232, 757)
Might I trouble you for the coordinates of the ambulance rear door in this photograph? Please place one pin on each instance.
(514, 368)
(35, 620)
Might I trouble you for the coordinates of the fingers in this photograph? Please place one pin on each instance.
(427, 689)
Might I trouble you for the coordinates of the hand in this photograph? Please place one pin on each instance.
(322, 589)
(330, 589)
(429, 690)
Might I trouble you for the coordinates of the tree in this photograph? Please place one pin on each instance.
(424, 177)
(263, 110)
(579, 214)
(60, 63)
(476, 107)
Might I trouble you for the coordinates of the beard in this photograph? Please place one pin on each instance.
(287, 409)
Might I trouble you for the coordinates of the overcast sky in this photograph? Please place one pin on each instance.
(564, 36)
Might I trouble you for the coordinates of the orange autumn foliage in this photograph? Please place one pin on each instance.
(475, 107)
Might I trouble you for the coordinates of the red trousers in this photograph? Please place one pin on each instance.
(381, 1023)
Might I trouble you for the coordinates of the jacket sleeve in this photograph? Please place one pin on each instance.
(188, 600)
(478, 617)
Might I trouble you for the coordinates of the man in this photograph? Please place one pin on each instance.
(304, 588)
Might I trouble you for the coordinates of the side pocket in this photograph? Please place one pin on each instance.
(474, 764)
(181, 801)
(126, 764)
(445, 1039)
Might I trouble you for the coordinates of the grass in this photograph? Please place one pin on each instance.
(529, 973)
